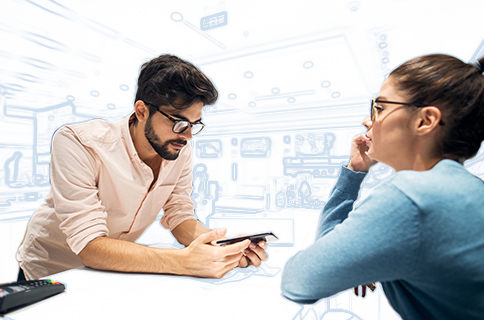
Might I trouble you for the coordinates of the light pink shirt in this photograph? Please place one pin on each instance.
(100, 187)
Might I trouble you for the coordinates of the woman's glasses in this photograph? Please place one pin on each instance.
(374, 107)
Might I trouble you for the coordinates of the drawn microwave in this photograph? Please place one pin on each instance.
(209, 148)
(255, 147)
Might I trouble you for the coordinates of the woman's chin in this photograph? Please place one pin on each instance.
(371, 154)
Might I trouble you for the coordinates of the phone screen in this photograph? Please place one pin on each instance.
(256, 238)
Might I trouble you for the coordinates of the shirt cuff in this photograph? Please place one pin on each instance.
(78, 242)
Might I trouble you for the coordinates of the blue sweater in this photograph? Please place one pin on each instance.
(421, 234)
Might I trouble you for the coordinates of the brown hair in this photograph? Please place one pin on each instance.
(457, 89)
(170, 81)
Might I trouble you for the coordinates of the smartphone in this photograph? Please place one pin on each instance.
(256, 238)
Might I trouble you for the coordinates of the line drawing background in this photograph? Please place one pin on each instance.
(295, 80)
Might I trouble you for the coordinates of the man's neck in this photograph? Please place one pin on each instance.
(144, 150)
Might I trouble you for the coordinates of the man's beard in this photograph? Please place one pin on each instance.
(161, 148)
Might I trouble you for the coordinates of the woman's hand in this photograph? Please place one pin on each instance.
(359, 155)
(371, 286)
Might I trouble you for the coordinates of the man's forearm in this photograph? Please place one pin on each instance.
(117, 255)
(200, 258)
(189, 230)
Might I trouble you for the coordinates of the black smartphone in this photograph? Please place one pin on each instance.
(256, 238)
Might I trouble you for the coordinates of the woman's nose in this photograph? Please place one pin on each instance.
(368, 123)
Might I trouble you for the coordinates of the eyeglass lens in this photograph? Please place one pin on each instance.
(181, 126)
(372, 110)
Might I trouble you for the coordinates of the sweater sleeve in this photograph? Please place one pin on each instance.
(341, 200)
(378, 241)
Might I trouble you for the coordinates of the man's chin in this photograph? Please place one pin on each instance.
(170, 156)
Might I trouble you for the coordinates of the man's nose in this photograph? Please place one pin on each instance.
(187, 134)
(368, 123)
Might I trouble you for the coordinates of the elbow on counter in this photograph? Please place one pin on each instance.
(297, 286)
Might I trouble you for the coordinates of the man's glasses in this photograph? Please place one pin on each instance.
(374, 107)
(179, 126)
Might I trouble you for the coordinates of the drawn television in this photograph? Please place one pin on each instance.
(255, 147)
(209, 148)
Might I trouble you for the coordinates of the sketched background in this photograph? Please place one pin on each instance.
(295, 79)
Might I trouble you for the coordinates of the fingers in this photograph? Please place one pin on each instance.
(359, 160)
(218, 260)
(233, 258)
(360, 140)
(207, 260)
(243, 262)
(361, 144)
(213, 235)
(256, 253)
(227, 268)
(363, 291)
(227, 264)
(371, 286)
(235, 248)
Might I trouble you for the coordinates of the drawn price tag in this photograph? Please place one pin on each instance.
(213, 21)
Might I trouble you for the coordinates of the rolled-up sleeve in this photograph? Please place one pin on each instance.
(179, 206)
(75, 191)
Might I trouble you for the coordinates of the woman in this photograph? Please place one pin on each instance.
(421, 234)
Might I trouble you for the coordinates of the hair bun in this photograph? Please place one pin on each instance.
(478, 64)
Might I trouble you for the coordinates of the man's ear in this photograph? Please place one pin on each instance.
(141, 111)
(428, 120)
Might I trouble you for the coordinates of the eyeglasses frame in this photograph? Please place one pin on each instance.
(373, 110)
(175, 121)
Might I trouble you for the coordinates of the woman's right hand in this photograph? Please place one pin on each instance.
(359, 155)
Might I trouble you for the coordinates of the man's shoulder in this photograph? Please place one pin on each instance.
(93, 131)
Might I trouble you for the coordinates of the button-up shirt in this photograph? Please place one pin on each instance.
(100, 187)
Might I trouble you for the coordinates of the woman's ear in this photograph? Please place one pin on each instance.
(141, 111)
(428, 120)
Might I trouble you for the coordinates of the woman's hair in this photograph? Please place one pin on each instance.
(170, 81)
(457, 89)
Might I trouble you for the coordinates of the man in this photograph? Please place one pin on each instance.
(110, 180)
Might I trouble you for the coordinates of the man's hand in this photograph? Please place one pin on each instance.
(359, 157)
(203, 259)
(254, 255)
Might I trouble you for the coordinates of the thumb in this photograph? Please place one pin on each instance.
(212, 235)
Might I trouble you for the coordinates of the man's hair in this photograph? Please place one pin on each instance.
(170, 81)
(457, 89)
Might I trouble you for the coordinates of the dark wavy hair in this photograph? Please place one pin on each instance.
(457, 89)
(170, 81)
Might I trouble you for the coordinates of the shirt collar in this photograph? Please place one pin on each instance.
(126, 135)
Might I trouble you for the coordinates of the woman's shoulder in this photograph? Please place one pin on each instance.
(446, 179)
(444, 170)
